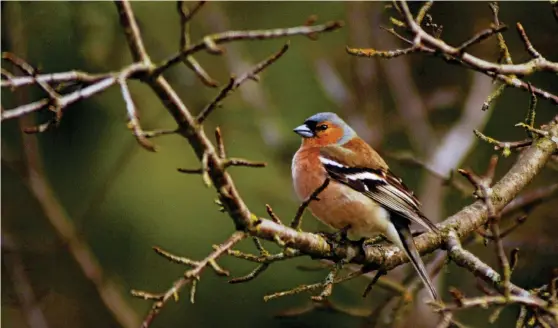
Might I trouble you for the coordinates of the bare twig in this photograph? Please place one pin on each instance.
(518, 222)
(532, 51)
(505, 69)
(423, 11)
(295, 224)
(311, 287)
(242, 162)
(236, 82)
(71, 76)
(479, 37)
(64, 101)
(272, 214)
(531, 113)
(188, 278)
(211, 41)
(185, 17)
(485, 301)
(506, 146)
(131, 108)
(220, 144)
(506, 73)
(466, 259)
(505, 55)
(186, 261)
(139, 54)
(32, 72)
(379, 53)
(484, 191)
(493, 96)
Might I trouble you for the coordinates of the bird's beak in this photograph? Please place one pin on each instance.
(304, 131)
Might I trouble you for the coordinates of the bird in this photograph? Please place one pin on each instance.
(363, 197)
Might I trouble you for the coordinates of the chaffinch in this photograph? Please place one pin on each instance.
(363, 195)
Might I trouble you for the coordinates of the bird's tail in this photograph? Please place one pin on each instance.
(408, 246)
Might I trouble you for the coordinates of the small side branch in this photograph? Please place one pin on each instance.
(295, 224)
(431, 44)
(211, 42)
(185, 18)
(189, 277)
(234, 83)
(133, 116)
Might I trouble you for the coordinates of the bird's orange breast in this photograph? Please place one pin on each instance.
(338, 205)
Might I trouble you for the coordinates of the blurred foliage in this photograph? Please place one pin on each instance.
(124, 200)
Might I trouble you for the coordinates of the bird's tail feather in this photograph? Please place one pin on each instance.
(410, 250)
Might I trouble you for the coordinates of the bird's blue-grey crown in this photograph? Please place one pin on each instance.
(308, 129)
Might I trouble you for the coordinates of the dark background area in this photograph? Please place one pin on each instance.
(123, 200)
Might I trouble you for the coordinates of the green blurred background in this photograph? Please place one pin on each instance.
(123, 200)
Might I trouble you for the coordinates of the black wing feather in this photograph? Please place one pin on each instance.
(383, 187)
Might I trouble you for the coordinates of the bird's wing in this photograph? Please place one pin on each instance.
(378, 183)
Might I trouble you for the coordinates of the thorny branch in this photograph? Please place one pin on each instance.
(494, 196)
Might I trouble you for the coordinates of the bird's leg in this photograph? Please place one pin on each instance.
(372, 242)
(337, 236)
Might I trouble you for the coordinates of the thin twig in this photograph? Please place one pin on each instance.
(479, 37)
(71, 76)
(311, 287)
(32, 72)
(532, 51)
(242, 162)
(54, 97)
(531, 113)
(64, 101)
(505, 73)
(493, 96)
(186, 261)
(211, 41)
(133, 116)
(234, 83)
(505, 55)
(297, 220)
(220, 144)
(135, 42)
(423, 11)
(189, 277)
(185, 17)
(370, 52)
(506, 146)
(482, 65)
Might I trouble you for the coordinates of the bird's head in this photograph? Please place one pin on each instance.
(324, 129)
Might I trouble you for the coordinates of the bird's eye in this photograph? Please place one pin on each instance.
(322, 127)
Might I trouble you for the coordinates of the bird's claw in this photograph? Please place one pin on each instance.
(338, 236)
